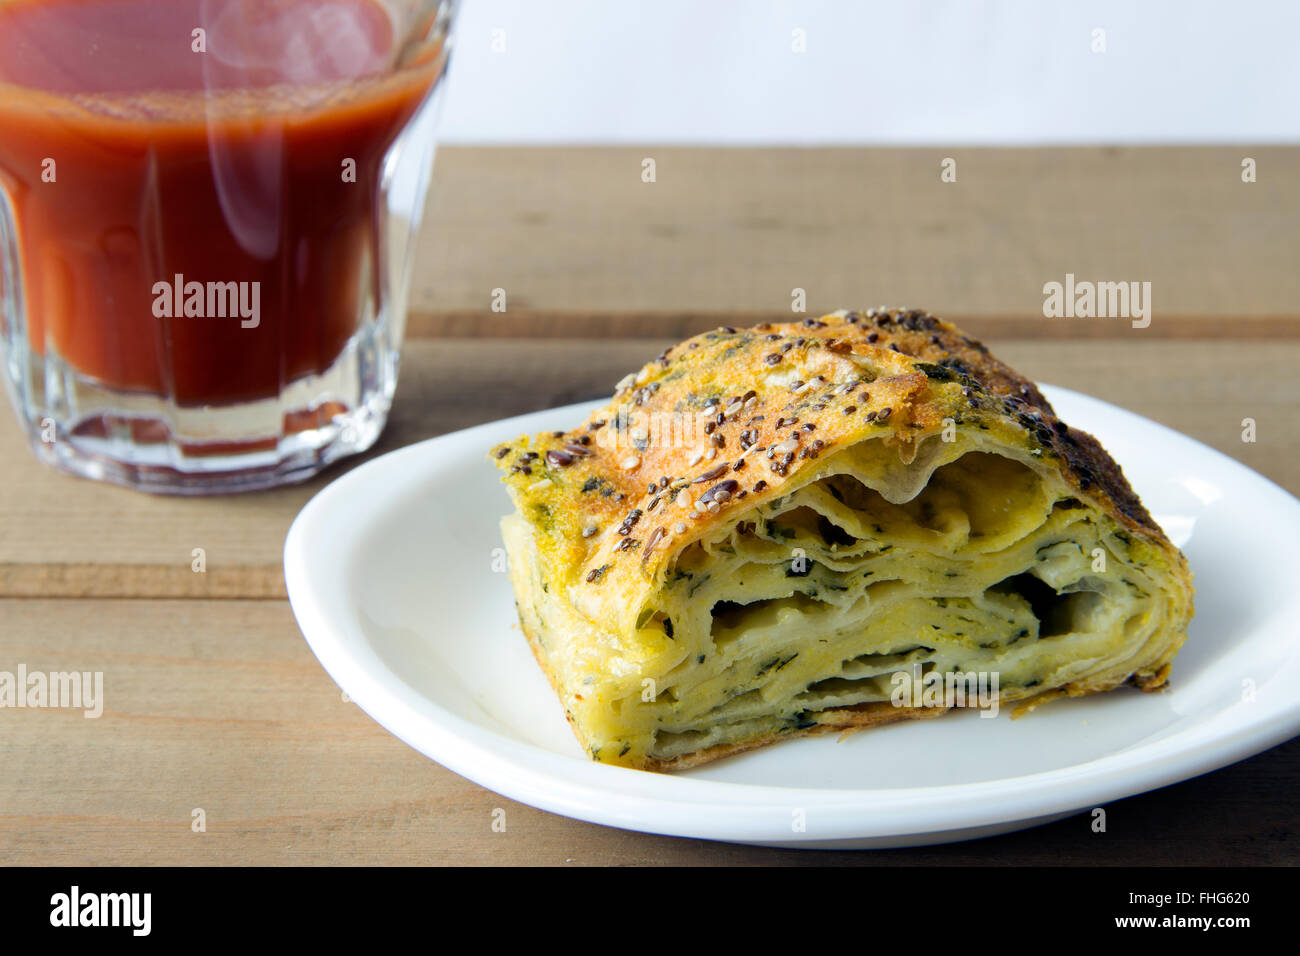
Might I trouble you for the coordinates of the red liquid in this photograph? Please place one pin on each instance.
(222, 166)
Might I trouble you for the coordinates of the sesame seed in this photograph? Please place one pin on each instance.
(719, 492)
(539, 485)
(588, 531)
(629, 463)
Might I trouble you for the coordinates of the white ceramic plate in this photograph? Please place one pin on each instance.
(391, 575)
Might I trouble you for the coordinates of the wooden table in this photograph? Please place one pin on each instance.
(213, 700)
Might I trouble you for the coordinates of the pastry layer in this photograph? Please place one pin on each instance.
(954, 536)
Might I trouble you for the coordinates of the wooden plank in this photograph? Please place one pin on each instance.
(469, 323)
(61, 536)
(66, 537)
(213, 700)
(220, 706)
(734, 230)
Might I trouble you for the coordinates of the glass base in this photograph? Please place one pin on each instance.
(235, 468)
(85, 428)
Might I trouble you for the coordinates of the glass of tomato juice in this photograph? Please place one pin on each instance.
(207, 209)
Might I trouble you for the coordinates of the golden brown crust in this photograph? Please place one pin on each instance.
(618, 499)
(612, 501)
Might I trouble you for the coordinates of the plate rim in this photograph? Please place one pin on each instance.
(734, 811)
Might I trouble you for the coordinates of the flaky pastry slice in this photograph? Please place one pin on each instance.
(767, 528)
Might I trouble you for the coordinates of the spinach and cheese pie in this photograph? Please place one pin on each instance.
(765, 526)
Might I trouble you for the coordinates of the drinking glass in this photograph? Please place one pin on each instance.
(207, 214)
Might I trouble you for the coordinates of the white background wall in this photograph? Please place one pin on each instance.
(932, 71)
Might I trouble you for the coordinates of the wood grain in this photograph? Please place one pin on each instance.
(676, 326)
(65, 537)
(212, 698)
(220, 707)
(567, 230)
